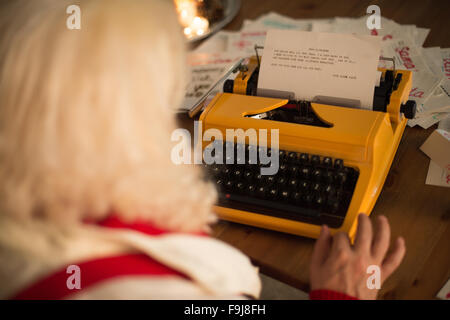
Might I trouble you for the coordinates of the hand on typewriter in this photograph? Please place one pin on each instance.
(338, 266)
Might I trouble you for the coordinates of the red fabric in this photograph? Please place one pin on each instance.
(92, 272)
(54, 286)
(329, 295)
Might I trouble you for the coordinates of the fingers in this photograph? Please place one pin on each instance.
(394, 258)
(381, 239)
(321, 247)
(340, 247)
(363, 239)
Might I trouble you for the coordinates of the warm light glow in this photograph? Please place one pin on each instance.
(192, 23)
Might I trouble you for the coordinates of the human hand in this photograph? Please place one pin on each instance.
(337, 265)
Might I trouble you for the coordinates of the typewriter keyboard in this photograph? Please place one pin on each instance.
(307, 187)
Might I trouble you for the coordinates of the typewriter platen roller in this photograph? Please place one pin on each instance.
(333, 160)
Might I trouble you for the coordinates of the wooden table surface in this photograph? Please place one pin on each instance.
(418, 212)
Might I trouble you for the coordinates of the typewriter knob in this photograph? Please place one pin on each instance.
(228, 86)
(409, 109)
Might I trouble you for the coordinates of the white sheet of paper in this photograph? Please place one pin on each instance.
(438, 176)
(204, 69)
(312, 64)
(444, 293)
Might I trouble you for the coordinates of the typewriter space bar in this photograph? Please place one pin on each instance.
(270, 205)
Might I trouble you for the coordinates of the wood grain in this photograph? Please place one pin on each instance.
(418, 212)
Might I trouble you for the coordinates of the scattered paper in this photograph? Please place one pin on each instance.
(444, 293)
(444, 124)
(438, 176)
(431, 66)
(203, 71)
(312, 65)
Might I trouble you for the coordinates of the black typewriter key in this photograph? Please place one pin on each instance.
(282, 168)
(328, 176)
(292, 156)
(292, 183)
(317, 174)
(237, 173)
(248, 175)
(304, 185)
(319, 200)
(240, 186)
(294, 170)
(315, 160)
(262, 191)
(269, 179)
(338, 163)
(281, 181)
(341, 178)
(285, 194)
(305, 172)
(219, 183)
(215, 169)
(226, 170)
(251, 189)
(327, 162)
(296, 197)
(304, 158)
(273, 192)
(316, 187)
(229, 184)
(329, 189)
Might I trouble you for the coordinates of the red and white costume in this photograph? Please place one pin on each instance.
(119, 261)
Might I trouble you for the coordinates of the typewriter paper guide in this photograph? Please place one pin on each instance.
(320, 67)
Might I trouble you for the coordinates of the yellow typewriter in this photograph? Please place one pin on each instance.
(333, 160)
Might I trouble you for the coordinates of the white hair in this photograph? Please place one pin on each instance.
(85, 115)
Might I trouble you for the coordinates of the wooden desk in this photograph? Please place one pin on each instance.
(418, 212)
